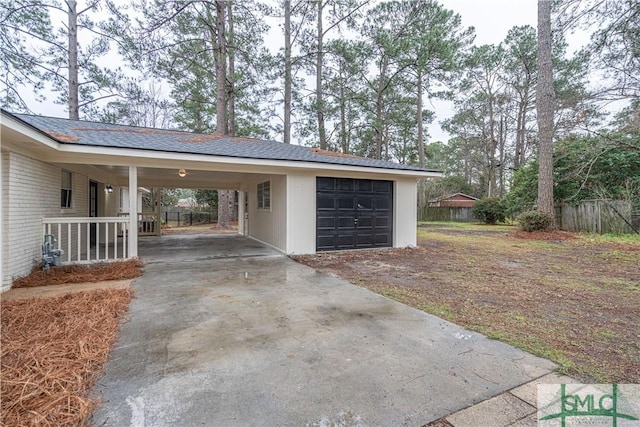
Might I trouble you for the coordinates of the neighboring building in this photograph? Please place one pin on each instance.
(188, 202)
(454, 200)
(68, 178)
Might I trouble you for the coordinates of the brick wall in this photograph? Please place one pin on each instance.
(31, 191)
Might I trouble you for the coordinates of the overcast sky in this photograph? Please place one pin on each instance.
(491, 19)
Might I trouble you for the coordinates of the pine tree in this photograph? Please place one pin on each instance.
(545, 100)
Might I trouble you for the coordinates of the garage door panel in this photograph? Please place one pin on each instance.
(353, 213)
(326, 222)
(325, 202)
(345, 222)
(365, 203)
(365, 221)
(382, 204)
(327, 184)
(346, 185)
(326, 242)
(345, 241)
(382, 221)
(382, 187)
(364, 241)
(346, 203)
(364, 186)
(382, 240)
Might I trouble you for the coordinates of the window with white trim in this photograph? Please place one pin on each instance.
(65, 190)
(264, 195)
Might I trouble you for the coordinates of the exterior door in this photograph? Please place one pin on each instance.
(245, 223)
(353, 213)
(93, 209)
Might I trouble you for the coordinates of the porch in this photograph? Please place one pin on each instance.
(98, 239)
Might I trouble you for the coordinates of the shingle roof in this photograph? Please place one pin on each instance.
(119, 136)
(448, 196)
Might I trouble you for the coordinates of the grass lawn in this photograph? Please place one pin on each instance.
(572, 298)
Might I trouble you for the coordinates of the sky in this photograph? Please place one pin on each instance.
(491, 19)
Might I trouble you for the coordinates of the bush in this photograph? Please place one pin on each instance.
(535, 221)
(490, 210)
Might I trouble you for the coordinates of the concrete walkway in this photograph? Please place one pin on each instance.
(226, 332)
(515, 408)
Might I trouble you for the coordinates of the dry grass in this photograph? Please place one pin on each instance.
(53, 350)
(551, 235)
(119, 270)
(572, 298)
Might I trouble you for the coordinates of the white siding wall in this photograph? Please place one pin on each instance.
(4, 205)
(269, 225)
(301, 214)
(31, 191)
(405, 213)
(108, 202)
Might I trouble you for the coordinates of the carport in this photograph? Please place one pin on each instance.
(255, 338)
(200, 248)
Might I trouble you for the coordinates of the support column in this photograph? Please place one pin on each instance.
(241, 212)
(133, 211)
(158, 212)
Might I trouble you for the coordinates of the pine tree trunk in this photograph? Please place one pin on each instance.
(74, 100)
(343, 122)
(221, 100)
(520, 135)
(221, 68)
(231, 75)
(287, 72)
(545, 99)
(421, 158)
(379, 100)
(319, 95)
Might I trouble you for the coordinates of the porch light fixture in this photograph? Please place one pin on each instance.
(182, 173)
(108, 189)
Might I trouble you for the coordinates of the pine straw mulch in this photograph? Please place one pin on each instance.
(53, 350)
(117, 270)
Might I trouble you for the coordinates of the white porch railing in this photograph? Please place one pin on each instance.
(74, 237)
(148, 223)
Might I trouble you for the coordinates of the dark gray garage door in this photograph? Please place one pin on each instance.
(353, 213)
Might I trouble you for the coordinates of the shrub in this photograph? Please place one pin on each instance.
(490, 210)
(535, 221)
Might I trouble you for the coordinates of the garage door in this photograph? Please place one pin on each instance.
(353, 213)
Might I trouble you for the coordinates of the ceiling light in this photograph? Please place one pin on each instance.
(182, 173)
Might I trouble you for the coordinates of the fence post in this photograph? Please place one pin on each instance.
(166, 217)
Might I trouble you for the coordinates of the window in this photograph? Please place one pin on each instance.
(65, 192)
(264, 195)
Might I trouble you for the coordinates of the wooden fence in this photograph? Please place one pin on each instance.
(446, 213)
(596, 216)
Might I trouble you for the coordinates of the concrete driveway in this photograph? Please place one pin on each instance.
(225, 331)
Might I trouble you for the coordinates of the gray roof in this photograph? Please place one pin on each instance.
(96, 134)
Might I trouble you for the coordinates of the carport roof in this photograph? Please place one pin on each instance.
(96, 134)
